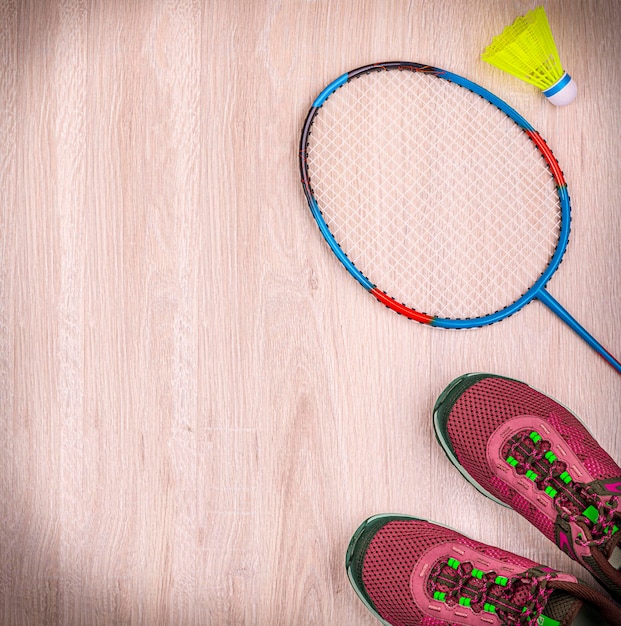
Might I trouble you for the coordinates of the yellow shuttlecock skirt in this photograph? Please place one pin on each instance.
(526, 49)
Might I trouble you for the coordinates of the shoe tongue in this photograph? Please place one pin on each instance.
(561, 608)
(612, 550)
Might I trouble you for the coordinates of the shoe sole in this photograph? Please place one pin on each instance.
(445, 444)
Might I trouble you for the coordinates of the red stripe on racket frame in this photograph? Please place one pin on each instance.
(549, 157)
(401, 308)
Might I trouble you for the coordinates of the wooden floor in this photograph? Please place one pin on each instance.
(198, 406)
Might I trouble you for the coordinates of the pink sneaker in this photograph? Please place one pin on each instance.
(411, 572)
(523, 449)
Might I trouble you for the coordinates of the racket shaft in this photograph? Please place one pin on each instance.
(561, 312)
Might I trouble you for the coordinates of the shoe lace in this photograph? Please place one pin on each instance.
(573, 501)
(518, 601)
(601, 522)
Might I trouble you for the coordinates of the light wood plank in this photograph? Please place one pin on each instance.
(198, 404)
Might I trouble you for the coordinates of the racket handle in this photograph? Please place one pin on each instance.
(555, 307)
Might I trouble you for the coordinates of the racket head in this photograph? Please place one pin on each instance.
(428, 94)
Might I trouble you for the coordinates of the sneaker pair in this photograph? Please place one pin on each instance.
(524, 450)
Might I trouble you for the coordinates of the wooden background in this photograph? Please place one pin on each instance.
(198, 406)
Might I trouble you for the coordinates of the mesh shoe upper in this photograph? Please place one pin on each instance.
(529, 452)
(412, 572)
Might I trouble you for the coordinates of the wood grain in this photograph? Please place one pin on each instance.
(198, 406)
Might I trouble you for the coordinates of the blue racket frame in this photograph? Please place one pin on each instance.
(537, 290)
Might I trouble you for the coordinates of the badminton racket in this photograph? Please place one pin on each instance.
(440, 199)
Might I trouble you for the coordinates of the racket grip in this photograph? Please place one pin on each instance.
(557, 308)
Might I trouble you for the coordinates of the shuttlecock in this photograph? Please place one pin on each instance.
(526, 49)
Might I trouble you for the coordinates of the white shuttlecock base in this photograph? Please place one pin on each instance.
(563, 91)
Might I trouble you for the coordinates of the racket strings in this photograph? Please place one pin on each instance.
(457, 221)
